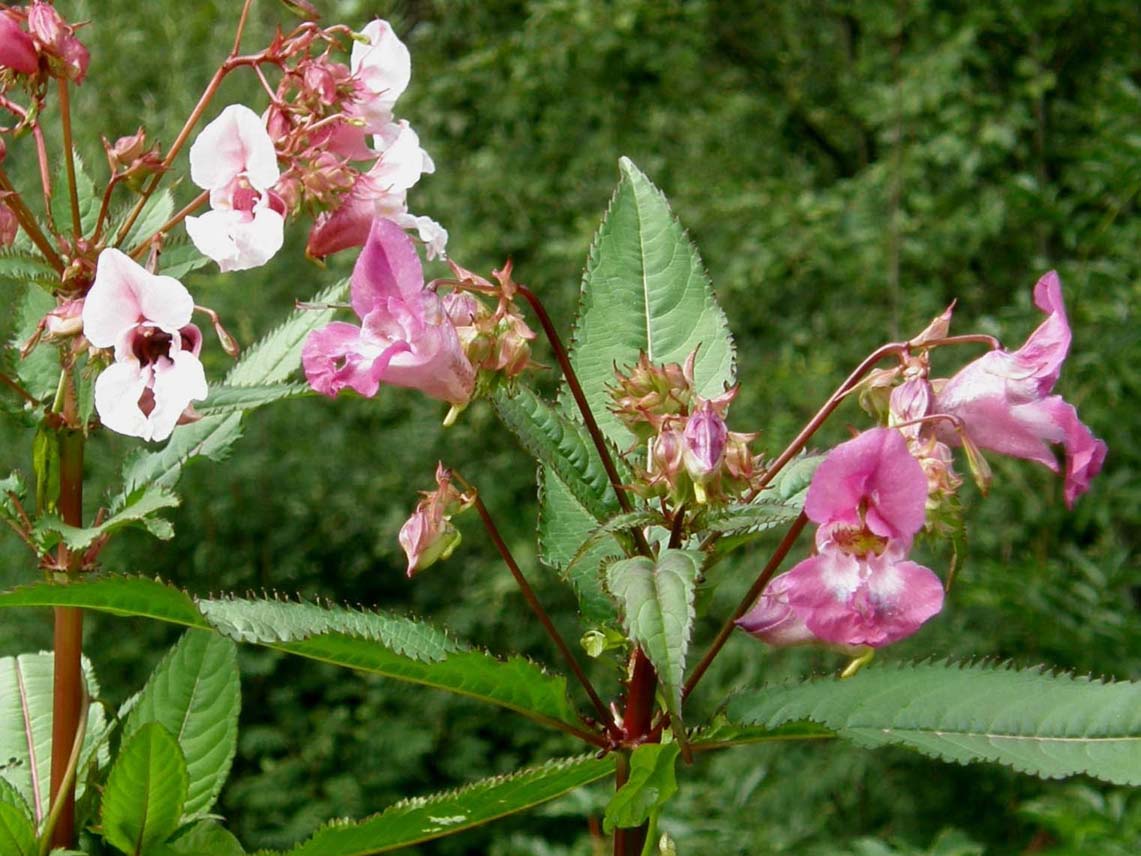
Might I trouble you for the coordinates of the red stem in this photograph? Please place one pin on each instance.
(588, 419)
(27, 221)
(544, 619)
(636, 726)
(68, 641)
(69, 157)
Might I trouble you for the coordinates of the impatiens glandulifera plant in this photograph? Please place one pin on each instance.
(644, 488)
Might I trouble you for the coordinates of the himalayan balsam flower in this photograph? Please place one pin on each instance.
(235, 160)
(156, 372)
(1004, 404)
(868, 497)
(405, 337)
(429, 536)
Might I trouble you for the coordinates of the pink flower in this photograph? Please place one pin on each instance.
(405, 338)
(429, 536)
(1004, 404)
(17, 50)
(235, 160)
(382, 191)
(156, 372)
(868, 496)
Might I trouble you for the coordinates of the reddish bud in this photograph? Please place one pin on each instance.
(9, 226)
(17, 50)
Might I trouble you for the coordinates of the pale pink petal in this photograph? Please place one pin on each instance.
(117, 392)
(124, 294)
(234, 143)
(401, 161)
(433, 235)
(388, 266)
(1046, 348)
(874, 470)
(234, 239)
(177, 381)
(383, 67)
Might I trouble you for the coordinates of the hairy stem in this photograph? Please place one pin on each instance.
(69, 157)
(68, 688)
(801, 439)
(544, 619)
(588, 419)
(754, 592)
(637, 728)
(27, 221)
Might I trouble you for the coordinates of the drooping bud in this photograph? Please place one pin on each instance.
(646, 394)
(67, 57)
(429, 536)
(65, 320)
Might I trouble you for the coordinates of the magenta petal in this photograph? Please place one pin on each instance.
(874, 600)
(875, 469)
(332, 360)
(1085, 455)
(773, 620)
(388, 266)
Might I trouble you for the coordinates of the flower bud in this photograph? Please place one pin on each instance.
(17, 50)
(428, 536)
(125, 150)
(67, 57)
(65, 320)
(705, 437)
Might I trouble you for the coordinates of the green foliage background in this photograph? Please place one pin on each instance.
(846, 169)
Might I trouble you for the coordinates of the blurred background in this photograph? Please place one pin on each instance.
(847, 169)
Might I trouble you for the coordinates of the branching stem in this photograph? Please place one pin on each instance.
(544, 619)
(27, 221)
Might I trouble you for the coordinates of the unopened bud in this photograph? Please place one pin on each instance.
(705, 438)
(125, 150)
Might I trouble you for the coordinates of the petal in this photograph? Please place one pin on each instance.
(383, 67)
(1085, 455)
(877, 470)
(773, 620)
(346, 226)
(235, 240)
(234, 143)
(849, 601)
(401, 161)
(125, 293)
(177, 382)
(117, 392)
(388, 266)
(435, 362)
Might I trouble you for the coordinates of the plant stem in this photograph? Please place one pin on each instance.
(68, 688)
(194, 204)
(544, 619)
(588, 419)
(69, 157)
(754, 592)
(636, 726)
(27, 221)
(69, 775)
(801, 440)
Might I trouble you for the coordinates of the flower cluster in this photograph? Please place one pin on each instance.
(35, 40)
(872, 495)
(693, 454)
(312, 149)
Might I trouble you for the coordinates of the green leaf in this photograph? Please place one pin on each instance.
(25, 729)
(722, 734)
(39, 371)
(560, 444)
(1044, 724)
(156, 211)
(145, 792)
(425, 818)
(374, 642)
(89, 200)
(228, 399)
(652, 782)
(645, 291)
(23, 266)
(563, 527)
(756, 517)
(179, 259)
(791, 483)
(194, 693)
(278, 355)
(268, 362)
(657, 606)
(205, 838)
(640, 518)
(209, 437)
(139, 509)
(17, 832)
